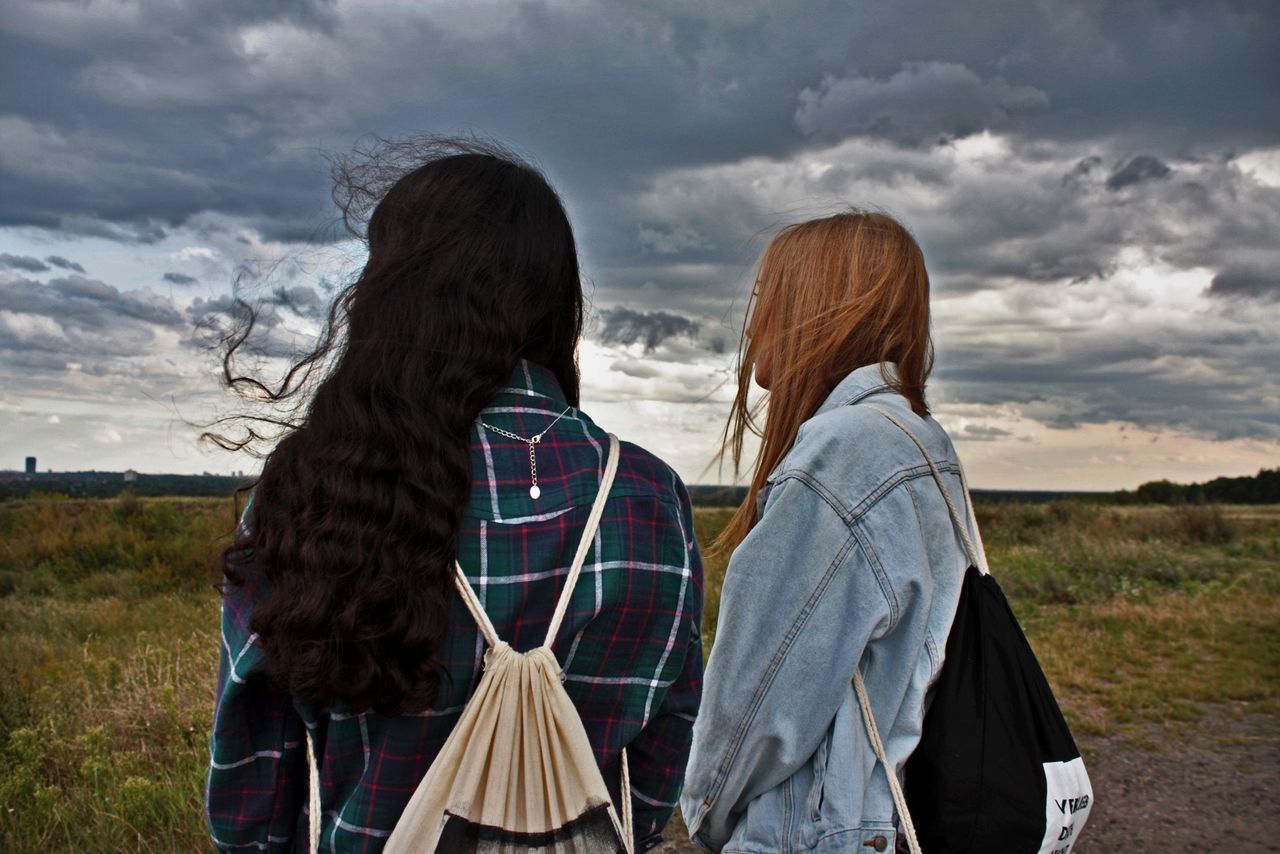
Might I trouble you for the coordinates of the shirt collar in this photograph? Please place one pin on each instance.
(529, 379)
(859, 383)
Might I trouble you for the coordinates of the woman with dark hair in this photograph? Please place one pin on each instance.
(845, 560)
(444, 424)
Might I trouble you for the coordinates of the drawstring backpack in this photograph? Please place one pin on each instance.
(996, 768)
(517, 773)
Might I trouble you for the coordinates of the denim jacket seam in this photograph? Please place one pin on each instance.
(788, 815)
(892, 482)
(818, 487)
(779, 656)
(867, 392)
(852, 517)
(902, 477)
(930, 645)
(864, 827)
(877, 568)
(931, 650)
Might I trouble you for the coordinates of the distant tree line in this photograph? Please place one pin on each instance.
(704, 495)
(109, 484)
(1262, 488)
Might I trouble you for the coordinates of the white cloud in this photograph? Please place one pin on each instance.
(1262, 164)
(31, 330)
(1097, 255)
(108, 436)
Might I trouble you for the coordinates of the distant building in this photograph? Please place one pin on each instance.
(130, 475)
(31, 465)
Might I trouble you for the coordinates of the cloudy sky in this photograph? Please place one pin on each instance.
(1096, 186)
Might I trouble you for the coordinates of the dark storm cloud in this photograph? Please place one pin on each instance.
(1047, 216)
(922, 102)
(153, 112)
(300, 299)
(622, 325)
(1144, 167)
(86, 302)
(77, 318)
(213, 321)
(982, 433)
(130, 121)
(140, 233)
(1208, 381)
(179, 278)
(26, 263)
(64, 264)
(1246, 282)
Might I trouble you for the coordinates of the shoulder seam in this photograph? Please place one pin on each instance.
(815, 486)
(856, 532)
(850, 515)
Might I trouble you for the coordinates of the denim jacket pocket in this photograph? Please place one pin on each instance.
(811, 824)
(817, 791)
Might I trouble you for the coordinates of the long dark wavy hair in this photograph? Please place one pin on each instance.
(472, 265)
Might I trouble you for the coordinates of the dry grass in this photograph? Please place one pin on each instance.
(1163, 658)
(127, 546)
(106, 712)
(1138, 614)
(109, 635)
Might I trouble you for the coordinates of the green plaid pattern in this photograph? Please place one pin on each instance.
(629, 645)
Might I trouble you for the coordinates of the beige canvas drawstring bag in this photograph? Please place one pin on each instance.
(517, 773)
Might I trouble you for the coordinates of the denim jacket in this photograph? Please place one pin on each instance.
(854, 562)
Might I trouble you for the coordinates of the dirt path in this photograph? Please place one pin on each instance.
(1209, 786)
(1212, 786)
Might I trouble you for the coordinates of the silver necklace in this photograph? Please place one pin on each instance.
(534, 490)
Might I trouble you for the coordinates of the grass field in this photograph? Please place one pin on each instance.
(108, 643)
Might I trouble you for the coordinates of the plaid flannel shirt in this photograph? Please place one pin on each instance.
(629, 645)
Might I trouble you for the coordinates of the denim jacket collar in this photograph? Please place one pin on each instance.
(859, 383)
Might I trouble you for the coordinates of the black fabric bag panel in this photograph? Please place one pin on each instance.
(593, 832)
(977, 780)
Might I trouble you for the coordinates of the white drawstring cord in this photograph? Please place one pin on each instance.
(313, 796)
(873, 734)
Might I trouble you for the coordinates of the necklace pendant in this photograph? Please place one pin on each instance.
(534, 491)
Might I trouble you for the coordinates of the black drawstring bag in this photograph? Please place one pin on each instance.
(996, 769)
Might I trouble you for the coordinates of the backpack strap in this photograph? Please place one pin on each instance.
(562, 605)
(895, 787)
(975, 555)
(472, 602)
(491, 638)
(584, 544)
(977, 559)
(313, 794)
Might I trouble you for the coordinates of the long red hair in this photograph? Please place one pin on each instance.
(832, 294)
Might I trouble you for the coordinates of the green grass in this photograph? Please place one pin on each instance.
(108, 627)
(106, 712)
(129, 547)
